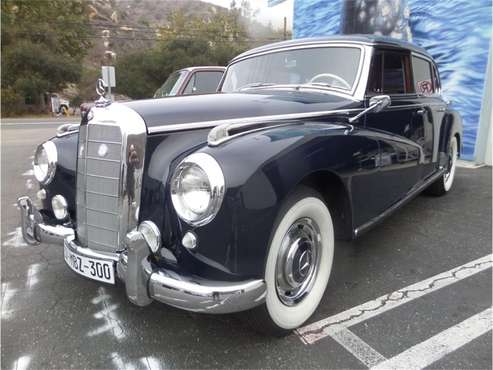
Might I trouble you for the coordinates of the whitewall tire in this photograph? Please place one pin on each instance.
(299, 263)
(444, 183)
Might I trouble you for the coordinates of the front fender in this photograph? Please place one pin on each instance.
(261, 170)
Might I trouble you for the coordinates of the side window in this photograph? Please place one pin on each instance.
(390, 73)
(423, 81)
(190, 88)
(394, 79)
(207, 82)
(436, 80)
(375, 77)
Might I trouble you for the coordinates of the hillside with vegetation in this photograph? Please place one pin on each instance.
(58, 46)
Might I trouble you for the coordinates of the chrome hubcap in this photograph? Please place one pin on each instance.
(298, 261)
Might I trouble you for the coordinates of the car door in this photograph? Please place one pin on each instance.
(203, 82)
(427, 87)
(400, 126)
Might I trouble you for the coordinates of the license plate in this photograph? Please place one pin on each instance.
(92, 268)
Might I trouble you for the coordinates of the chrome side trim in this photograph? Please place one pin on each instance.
(258, 119)
(217, 136)
(220, 133)
(410, 195)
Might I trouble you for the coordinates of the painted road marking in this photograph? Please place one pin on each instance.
(358, 347)
(112, 323)
(433, 349)
(32, 278)
(22, 363)
(7, 293)
(329, 326)
(15, 239)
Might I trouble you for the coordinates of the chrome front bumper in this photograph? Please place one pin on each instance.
(144, 283)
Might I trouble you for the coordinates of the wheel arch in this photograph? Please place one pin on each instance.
(451, 127)
(336, 197)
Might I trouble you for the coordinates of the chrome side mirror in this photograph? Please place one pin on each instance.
(377, 104)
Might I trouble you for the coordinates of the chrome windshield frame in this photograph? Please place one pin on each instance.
(357, 91)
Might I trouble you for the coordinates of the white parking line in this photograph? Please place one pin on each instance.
(22, 363)
(31, 278)
(433, 349)
(15, 239)
(328, 327)
(358, 347)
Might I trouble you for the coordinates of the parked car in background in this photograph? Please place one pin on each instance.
(59, 105)
(191, 80)
(228, 202)
(186, 81)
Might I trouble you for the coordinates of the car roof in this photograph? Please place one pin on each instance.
(373, 40)
(197, 68)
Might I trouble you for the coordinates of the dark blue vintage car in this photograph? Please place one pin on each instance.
(230, 202)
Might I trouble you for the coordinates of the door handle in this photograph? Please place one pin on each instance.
(421, 111)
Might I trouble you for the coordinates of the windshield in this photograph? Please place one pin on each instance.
(171, 85)
(331, 67)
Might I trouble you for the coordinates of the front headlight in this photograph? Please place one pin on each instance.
(197, 189)
(45, 161)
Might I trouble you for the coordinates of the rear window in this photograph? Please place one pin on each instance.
(423, 81)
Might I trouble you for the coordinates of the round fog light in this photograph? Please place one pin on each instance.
(151, 234)
(59, 205)
(189, 240)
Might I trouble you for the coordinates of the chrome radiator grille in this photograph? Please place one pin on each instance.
(109, 174)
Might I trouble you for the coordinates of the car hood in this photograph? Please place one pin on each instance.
(222, 106)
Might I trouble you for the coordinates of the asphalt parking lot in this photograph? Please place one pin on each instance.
(415, 292)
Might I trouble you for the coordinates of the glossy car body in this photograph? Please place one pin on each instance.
(267, 141)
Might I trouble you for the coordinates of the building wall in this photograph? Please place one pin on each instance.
(485, 132)
(456, 32)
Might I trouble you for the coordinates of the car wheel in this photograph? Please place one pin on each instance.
(445, 182)
(298, 264)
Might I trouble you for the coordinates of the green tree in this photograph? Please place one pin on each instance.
(43, 43)
(186, 41)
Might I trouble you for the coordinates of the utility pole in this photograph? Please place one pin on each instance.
(285, 28)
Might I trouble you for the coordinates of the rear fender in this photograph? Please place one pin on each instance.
(451, 126)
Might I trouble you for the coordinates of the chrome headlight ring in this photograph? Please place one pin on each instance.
(197, 189)
(45, 162)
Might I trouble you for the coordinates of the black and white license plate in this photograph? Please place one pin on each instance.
(92, 268)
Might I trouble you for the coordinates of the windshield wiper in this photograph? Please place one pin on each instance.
(323, 84)
(255, 84)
